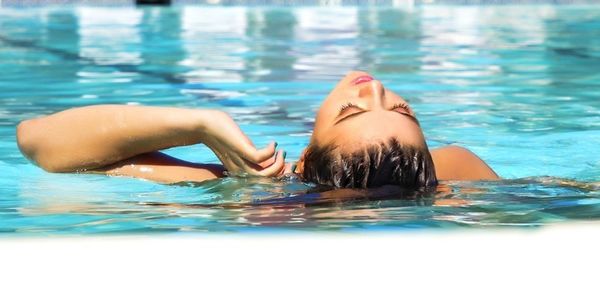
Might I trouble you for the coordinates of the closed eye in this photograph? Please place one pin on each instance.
(402, 106)
(347, 108)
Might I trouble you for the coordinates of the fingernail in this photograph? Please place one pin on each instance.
(275, 144)
(284, 154)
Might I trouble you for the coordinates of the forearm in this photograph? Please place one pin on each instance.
(159, 167)
(95, 136)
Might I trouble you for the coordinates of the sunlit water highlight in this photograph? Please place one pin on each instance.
(519, 86)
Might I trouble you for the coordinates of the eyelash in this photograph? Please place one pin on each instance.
(346, 106)
(401, 105)
(396, 106)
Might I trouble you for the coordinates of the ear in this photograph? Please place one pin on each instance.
(300, 164)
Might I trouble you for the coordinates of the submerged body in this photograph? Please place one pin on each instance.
(126, 140)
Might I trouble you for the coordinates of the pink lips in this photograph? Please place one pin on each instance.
(362, 79)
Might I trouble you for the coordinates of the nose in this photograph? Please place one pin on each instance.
(374, 92)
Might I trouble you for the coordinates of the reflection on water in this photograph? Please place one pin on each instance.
(517, 86)
(524, 202)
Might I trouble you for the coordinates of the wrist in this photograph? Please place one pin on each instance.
(205, 121)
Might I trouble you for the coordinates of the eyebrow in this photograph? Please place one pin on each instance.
(364, 111)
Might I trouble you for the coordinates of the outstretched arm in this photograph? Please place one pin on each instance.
(97, 136)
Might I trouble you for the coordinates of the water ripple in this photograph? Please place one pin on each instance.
(517, 86)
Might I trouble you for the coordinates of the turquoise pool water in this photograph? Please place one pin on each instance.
(520, 86)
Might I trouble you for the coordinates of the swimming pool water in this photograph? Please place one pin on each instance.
(518, 85)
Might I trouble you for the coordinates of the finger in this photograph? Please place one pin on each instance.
(282, 171)
(268, 162)
(277, 166)
(261, 155)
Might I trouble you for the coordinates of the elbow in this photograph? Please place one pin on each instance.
(26, 139)
(30, 144)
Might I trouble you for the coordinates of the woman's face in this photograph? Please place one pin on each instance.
(360, 110)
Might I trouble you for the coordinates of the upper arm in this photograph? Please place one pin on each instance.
(458, 163)
(95, 136)
(162, 168)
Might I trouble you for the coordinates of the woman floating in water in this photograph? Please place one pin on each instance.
(364, 136)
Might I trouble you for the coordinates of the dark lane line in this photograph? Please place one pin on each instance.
(69, 56)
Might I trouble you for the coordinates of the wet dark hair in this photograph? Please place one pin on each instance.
(378, 164)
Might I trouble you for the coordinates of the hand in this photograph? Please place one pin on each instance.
(237, 153)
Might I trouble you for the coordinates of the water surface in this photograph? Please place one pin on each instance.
(519, 86)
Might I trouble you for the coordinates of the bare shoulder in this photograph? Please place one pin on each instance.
(459, 163)
(453, 151)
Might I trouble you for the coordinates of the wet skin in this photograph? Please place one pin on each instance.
(126, 140)
(360, 110)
